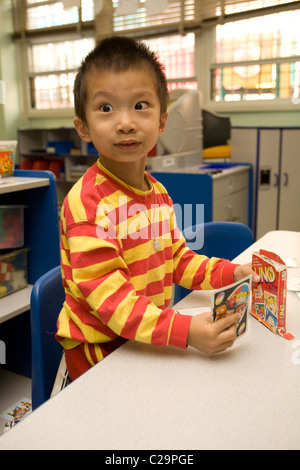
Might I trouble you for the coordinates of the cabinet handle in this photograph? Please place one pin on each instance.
(229, 209)
(276, 175)
(231, 217)
(286, 179)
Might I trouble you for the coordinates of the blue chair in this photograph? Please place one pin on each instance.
(47, 298)
(221, 240)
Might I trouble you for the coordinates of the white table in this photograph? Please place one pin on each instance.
(143, 397)
(11, 184)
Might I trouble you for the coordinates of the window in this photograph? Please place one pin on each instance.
(145, 18)
(54, 49)
(176, 53)
(52, 69)
(257, 59)
(250, 57)
(58, 35)
(46, 13)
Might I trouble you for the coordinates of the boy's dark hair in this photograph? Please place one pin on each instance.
(119, 54)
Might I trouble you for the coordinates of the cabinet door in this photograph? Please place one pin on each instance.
(244, 142)
(244, 145)
(231, 196)
(267, 181)
(289, 206)
(232, 208)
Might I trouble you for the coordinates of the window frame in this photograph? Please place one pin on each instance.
(24, 39)
(25, 92)
(204, 61)
(276, 104)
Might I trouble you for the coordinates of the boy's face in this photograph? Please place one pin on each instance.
(123, 118)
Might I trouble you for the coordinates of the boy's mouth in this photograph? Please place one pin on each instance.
(128, 145)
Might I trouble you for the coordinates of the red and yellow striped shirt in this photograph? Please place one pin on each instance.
(117, 281)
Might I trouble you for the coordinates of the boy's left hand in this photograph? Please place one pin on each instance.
(244, 270)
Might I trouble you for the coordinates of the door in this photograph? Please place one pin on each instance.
(289, 202)
(267, 181)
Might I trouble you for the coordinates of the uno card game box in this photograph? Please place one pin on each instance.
(269, 295)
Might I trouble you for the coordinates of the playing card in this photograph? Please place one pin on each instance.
(231, 299)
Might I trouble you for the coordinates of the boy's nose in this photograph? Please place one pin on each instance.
(126, 123)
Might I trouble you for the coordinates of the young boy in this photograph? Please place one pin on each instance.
(121, 249)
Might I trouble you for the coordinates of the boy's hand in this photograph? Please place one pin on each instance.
(212, 338)
(244, 270)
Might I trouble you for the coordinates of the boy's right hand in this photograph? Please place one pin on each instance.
(212, 338)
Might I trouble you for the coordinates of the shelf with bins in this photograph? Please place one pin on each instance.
(19, 301)
(36, 190)
(59, 150)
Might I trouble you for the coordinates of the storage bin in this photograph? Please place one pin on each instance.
(11, 226)
(13, 271)
(40, 165)
(60, 147)
(7, 157)
(91, 148)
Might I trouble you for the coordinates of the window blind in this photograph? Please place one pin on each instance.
(181, 16)
(41, 16)
(225, 10)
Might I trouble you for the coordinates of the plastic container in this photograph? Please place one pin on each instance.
(13, 271)
(7, 157)
(60, 147)
(11, 227)
(91, 148)
(184, 131)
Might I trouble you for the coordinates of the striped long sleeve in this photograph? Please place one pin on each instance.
(121, 251)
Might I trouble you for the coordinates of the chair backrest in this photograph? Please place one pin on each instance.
(220, 239)
(47, 298)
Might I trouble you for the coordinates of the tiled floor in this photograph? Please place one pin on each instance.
(13, 387)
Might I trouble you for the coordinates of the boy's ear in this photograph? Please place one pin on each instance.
(163, 123)
(81, 129)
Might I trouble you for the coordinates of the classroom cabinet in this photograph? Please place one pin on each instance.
(289, 210)
(275, 156)
(36, 190)
(223, 190)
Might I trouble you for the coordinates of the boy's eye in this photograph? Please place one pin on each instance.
(141, 105)
(106, 108)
